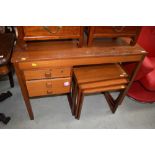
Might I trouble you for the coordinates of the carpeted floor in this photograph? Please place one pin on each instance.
(54, 112)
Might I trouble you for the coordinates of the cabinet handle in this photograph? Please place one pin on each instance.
(49, 84)
(49, 92)
(118, 28)
(58, 28)
(48, 74)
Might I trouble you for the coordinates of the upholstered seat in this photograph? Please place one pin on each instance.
(143, 88)
(148, 81)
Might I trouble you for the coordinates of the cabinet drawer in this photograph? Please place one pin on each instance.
(48, 87)
(55, 32)
(105, 30)
(47, 73)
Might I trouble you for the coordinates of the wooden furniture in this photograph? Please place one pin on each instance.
(37, 62)
(29, 33)
(96, 79)
(113, 32)
(6, 47)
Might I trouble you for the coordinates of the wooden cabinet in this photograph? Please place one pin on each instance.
(47, 81)
(42, 81)
(31, 33)
(113, 32)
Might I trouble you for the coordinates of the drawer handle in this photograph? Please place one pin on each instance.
(49, 84)
(118, 28)
(49, 92)
(58, 28)
(48, 74)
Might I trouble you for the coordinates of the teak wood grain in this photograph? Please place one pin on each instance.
(96, 79)
(50, 54)
(99, 73)
(45, 73)
(32, 33)
(104, 83)
(103, 89)
(113, 32)
(48, 87)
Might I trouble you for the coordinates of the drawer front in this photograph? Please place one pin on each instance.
(31, 31)
(47, 73)
(48, 87)
(116, 30)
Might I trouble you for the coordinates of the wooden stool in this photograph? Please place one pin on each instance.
(96, 79)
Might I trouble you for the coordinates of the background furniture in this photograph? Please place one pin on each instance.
(6, 47)
(143, 88)
(97, 79)
(3, 96)
(44, 58)
(113, 32)
(29, 33)
(7, 39)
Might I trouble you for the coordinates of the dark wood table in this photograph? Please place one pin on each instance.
(50, 63)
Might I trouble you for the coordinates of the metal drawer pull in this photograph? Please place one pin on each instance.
(48, 74)
(118, 28)
(52, 32)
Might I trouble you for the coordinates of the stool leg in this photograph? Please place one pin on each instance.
(74, 95)
(79, 104)
(11, 79)
(74, 91)
(113, 104)
(74, 99)
(70, 101)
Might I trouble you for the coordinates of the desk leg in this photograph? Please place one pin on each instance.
(22, 83)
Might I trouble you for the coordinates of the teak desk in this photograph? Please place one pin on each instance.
(42, 68)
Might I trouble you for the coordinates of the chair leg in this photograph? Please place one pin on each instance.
(11, 79)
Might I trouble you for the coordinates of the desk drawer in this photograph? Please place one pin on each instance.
(48, 87)
(47, 73)
(115, 30)
(54, 32)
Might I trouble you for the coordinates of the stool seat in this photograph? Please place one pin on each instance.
(99, 73)
(97, 79)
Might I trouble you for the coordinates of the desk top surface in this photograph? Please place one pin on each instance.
(52, 50)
